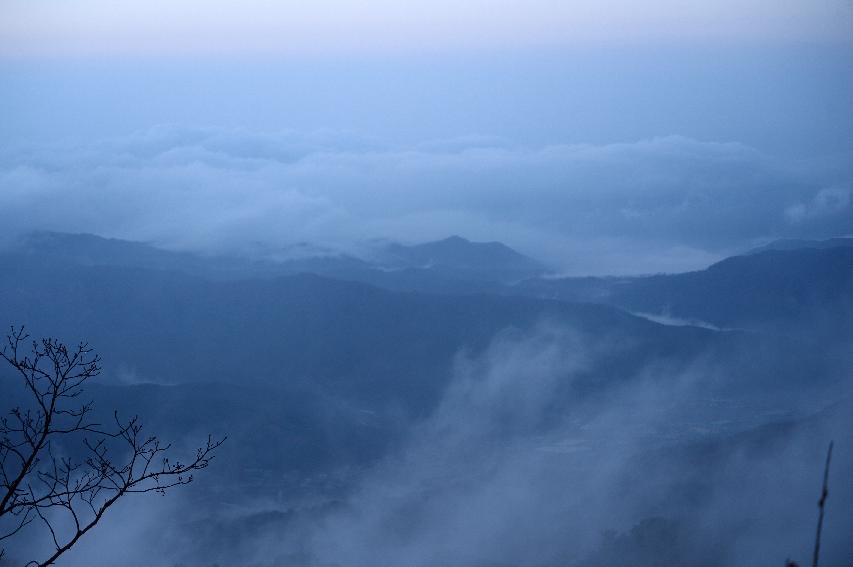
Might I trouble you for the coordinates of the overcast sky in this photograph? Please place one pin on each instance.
(604, 136)
(99, 27)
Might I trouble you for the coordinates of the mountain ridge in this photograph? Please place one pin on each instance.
(449, 265)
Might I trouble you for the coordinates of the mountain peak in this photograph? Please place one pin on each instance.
(478, 260)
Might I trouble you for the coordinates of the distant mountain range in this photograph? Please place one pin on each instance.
(352, 338)
(458, 257)
(169, 316)
(451, 265)
(318, 366)
(774, 287)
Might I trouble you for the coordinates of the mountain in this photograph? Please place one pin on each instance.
(461, 258)
(453, 265)
(755, 291)
(55, 248)
(371, 343)
(320, 383)
(770, 289)
(352, 339)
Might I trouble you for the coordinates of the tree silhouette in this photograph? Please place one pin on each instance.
(61, 470)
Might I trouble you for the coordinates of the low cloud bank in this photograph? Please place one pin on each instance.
(507, 472)
(663, 204)
(500, 476)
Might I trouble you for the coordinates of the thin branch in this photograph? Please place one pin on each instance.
(37, 483)
(821, 505)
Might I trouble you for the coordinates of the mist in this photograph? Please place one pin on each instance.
(658, 205)
(512, 468)
(514, 284)
(494, 478)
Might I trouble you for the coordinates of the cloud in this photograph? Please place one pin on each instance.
(497, 477)
(828, 202)
(512, 468)
(463, 479)
(660, 204)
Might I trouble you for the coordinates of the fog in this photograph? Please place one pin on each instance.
(494, 478)
(506, 471)
(497, 284)
(657, 205)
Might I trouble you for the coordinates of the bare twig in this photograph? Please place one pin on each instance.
(37, 484)
(821, 505)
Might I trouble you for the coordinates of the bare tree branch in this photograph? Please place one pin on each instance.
(821, 505)
(67, 495)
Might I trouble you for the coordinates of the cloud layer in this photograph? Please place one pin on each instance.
(512, 469)
(503, 474)
(660, 204)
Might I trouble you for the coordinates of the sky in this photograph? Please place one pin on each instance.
(99, 27)
(602, 137)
